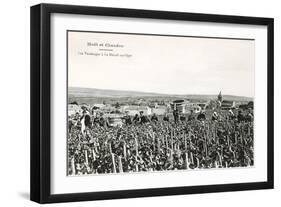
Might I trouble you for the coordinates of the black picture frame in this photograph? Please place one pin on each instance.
(41, 102)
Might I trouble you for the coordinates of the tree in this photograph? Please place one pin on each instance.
(117, 105)
(74, 102)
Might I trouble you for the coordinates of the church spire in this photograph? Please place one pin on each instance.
(220, 97)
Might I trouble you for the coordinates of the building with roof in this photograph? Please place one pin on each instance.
(226, 105)
(159, 110)
(73, 109)
(132, 110)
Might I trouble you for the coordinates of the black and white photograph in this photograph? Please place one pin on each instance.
(144, 103)
(132, 103)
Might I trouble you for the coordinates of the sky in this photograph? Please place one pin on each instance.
(161, 64)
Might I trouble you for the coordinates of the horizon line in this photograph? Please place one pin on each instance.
(213, 94)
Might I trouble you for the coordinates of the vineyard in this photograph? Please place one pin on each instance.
(162, 145)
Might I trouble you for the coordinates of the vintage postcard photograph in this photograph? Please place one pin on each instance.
(142, 103)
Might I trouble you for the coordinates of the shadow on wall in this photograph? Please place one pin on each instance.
(24, 195)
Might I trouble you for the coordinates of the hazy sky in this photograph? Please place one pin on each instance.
(162, 64)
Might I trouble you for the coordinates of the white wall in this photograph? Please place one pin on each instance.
(14, 85)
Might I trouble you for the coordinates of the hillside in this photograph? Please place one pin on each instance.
(84, 93)
(93, 92)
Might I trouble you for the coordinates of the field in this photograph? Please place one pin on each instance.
(161, 145)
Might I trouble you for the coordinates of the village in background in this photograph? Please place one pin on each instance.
(114, 104)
